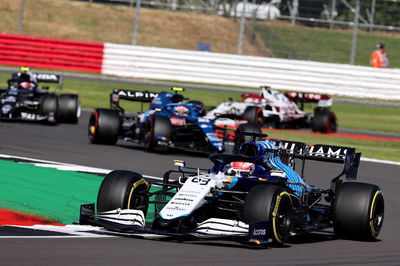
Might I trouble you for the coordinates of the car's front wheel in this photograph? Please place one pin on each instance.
(157, 126)
(273, 205)
(123, 190)
(69, 108)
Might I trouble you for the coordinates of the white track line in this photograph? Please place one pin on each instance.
(66, 166)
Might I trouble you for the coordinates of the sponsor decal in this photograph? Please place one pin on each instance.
(203, 120)
(176, 121)
(212, 137)
(259, 232)
(328, 151)
(47, 77)
(135, 94)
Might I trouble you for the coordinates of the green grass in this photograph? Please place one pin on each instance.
(299, 42)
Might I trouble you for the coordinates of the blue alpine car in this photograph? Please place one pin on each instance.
(170, 122)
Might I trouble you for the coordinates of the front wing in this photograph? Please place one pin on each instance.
(132, 223)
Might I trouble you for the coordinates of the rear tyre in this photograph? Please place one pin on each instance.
(324, 122)
(240, 138)
(69, 108)
(358, 211)
(124, 190)
(157, 126)
(49, 106)
(104, 126)
(273, 205)
(253, 114)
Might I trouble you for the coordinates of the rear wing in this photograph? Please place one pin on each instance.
(130, 95)
(323, 100)
(327, 153)
(41, 77)
(306, 97)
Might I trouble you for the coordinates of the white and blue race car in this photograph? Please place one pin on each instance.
(255, 196)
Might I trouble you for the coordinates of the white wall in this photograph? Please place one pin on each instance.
(250, 71)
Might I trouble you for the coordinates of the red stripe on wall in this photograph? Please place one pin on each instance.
(16, 50)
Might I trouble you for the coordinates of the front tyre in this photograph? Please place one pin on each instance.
(104, 126)
(49, 106)
(157, 126)
(358, 211)
(69, 108)
(124, 190)
(272, 204)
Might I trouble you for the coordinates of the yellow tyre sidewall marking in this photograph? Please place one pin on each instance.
(135, 185)
(371, 212)
(274, 214)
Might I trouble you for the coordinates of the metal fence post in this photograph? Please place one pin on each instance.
(332, 13)
(371, 16)
(136, 22)
(241, 29)
(355, 29)
(21, 16)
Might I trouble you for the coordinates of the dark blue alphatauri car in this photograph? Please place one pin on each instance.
(170, 121)
(256, 196)
(24, 100)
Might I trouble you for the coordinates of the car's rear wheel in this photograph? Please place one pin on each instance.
(324, 122)
(69, 108)
(49, 106)
(241, 138)
(157, 126)
(124, 190)
(273, 205)
(358, 211)
(104, 126)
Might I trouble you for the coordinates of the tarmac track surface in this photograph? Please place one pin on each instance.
(69, 144)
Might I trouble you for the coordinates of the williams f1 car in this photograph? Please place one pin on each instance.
(24, 100)
(169, 122)
(274, 109)
(256, 196)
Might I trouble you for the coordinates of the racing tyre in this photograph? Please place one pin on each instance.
(253, 114)
(273, 205)
(48, 105)
(324, 122)
(104, 126)
(240, 138)
(69, 108)
(157, 126)
(358, 211)
(124, 190)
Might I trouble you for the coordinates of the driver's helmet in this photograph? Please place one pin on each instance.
(239, 169)
(181, 110)
(25, 77)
